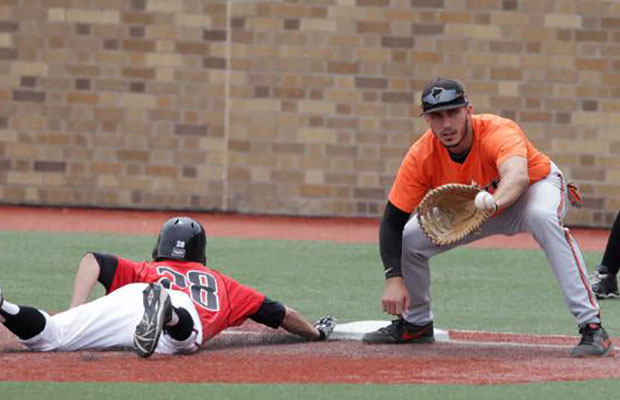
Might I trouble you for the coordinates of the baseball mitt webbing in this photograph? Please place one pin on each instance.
(447, 213)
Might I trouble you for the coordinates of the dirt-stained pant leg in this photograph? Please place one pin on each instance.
(538, 211)
(110, 321)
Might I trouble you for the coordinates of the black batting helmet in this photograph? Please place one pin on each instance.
(181, 238)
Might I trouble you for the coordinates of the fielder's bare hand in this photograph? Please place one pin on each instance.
(395, 297)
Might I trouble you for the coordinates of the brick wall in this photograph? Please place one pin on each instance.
(296, 107)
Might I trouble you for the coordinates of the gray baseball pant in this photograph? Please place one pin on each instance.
(540, 211)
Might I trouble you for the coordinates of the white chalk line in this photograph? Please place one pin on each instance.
(459, 342)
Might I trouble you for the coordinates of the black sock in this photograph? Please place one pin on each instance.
(183, 329)
(611, 258)
(26, 324)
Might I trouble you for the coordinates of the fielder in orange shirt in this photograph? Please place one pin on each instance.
(524, 187)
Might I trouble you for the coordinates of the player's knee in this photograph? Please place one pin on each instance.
(413, 236)
(540, 216)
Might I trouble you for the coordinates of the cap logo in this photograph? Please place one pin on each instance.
(440, 95)
(436, 92)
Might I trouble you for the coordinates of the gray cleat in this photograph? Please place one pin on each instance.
(594, 342)
(401, 331)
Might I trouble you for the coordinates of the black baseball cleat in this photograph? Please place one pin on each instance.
(157, 311)
(604, 283)
(401, 331)
(594, 342)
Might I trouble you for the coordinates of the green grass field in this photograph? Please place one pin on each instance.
(491, 290)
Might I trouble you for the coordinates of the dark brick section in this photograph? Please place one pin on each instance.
(288, 147)
(340, 150)
(8, 26)
(214, 63)
(593, 202)
(510, 5)
(190, 172)
(506, 47)
(288, 93)
(4, 122)
(369, 194)
(589, 174)
(237, 22)
(262, 91)
(397, 97)
(50, 166)
(428, 3)
(610, 23)
(136, 197)
(397, 41)
(28, 96)
(138, 5)
(587, 160)
(136, 32)
(139, 45)
(291, 24)
(563, 118)
(8, 54)
(5, 165)
(589, 105)
(82, 84)
(342, 67)
(137, 87)
(373, 3)
(83, 29)
(110, 44)
(190, 130)
(140, 73)
(214, 35)
(427, 29)
(591, 36)
(370, 83)
(28, 81)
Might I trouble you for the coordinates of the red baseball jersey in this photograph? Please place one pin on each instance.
(221, 301)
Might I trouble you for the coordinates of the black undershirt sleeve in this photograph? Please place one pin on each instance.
(391, 239)
(611, 258)
(107, 268)
(270, 313)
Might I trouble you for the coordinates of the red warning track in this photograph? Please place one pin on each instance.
(362, 230)
(251, 354)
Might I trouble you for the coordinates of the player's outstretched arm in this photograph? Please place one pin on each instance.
(514, 181)
(85, 279)
(295, 323)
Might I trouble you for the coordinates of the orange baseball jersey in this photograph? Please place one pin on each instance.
(428, 165)
(220, 301)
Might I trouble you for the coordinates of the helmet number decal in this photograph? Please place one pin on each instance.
(202, 286)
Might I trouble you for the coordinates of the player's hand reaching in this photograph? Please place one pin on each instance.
(395, 297)
(325, 326)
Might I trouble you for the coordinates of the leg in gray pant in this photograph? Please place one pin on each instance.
(540, 211)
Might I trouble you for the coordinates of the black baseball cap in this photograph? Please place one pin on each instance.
(443, 94)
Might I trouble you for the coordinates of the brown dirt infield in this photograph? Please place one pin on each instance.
(252, 354)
